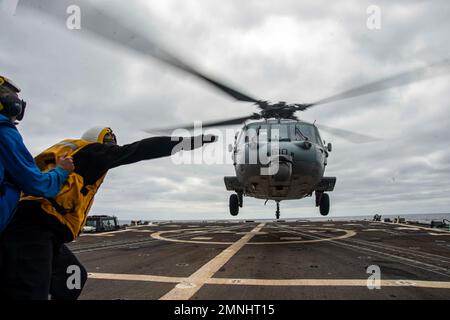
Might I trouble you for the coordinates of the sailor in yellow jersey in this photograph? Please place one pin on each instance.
(37, 260)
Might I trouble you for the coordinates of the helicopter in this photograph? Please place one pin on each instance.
(299, 159)
(300, 155)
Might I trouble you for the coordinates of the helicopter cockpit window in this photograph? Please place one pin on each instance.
(301, 131)
(318, 138)
(249, 135)
(242, 137)
(261, 133)
(280, 132)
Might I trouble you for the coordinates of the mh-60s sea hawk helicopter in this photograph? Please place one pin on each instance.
(300, 154)
(297, 160)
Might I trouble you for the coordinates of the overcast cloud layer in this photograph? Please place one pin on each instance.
(288, 50)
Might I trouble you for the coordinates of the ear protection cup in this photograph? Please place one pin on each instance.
(22, 113)
(12, 106)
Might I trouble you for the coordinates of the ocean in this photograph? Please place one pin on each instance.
(422, 218)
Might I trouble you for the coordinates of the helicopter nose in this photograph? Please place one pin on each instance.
(284, 171)
(281, 168)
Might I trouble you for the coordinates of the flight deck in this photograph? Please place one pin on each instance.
(266, 261)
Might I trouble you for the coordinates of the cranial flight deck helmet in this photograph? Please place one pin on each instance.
(10, 104)
(100, 134)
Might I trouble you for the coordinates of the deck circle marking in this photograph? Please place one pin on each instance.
(346, 234)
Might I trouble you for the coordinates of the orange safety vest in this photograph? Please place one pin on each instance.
(72, 204)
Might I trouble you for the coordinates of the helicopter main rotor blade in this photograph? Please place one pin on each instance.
(217, 123)
(104, 26)
(428, 72)
(348, 135)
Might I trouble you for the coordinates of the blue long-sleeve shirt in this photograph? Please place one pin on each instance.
(18, 172)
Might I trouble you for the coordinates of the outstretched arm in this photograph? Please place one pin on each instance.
(151, 148)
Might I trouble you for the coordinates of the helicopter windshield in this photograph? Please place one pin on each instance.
(255, 133)
(304, 131)
(267, 132)
(280, 132)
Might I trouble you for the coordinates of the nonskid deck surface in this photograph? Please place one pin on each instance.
(267, 260)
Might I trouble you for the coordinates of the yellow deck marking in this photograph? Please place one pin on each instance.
(111, 233)
(142, 226)
(107, 234)
(133, 277)
(198, 278)
(407, 228)
(202, 238)
(423, 228)
(241, 233)
(330, 282)
(273, 282)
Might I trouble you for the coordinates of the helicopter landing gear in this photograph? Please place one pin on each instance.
(235, 203)
(324, 204)
(240, 198)
(277, 213)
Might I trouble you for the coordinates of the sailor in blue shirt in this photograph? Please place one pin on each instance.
(18, 171)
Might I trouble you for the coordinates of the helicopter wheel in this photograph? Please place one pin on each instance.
(324, 204)
(234, 204)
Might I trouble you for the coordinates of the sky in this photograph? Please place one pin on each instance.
(290, 50)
